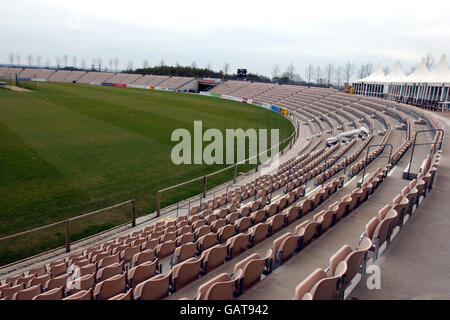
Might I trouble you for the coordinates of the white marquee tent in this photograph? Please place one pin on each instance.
(422, 87)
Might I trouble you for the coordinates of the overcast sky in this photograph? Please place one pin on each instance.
(248, 34)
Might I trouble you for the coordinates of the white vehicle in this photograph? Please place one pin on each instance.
(348, 135)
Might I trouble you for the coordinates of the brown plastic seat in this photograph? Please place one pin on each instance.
(325, 219)
(57, 270)
(165, 249)
(276, 223)
(284, 247)
(250, 269)
(168, 236)
(155, 288)
(150, 244)
(85, 282)
(39, 271)
(109, 271)
(226, 232)
(127, 255)
(8, 293)
(14, 278)
(201, 231)
(88, 269)
(28, 293)
(220, 287)
(54, 294)
(232, 217)
(258, 233)
(243, 224)
(258, 216)
(318, 286)
(82, 295)
(305, 206)
(291, 214)
(123, 296)
(213, 257)
(355, 260)
(25, 279)
(205, 242)
(185, 238)
(237, 244)
(56, 282)
(39, 280)
(306, 230)
(184, 273)
(217, 224)
(110, 287)
(142, 272)
(183, 252)
(109, 260)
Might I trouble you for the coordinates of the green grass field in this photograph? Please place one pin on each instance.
(69, 149)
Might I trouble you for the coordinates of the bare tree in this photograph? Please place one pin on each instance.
(349, 68)
(386, 70)
(162, 63)
(48, 63)
(275, 71)
(116, 63)
(339, 73)
(290, 72)
(130, 66)
(99, 60)
(110, 62)
(74, 61)
(30, 59)
(38, 60)
(193, 65)
(430, 61)
(58, 62)
(369, 68)
(145, 64)
(297, 78)
(309, 71)
(11, 58)
(329, 70)
(318, 74)
(83, 63)
(226, 67)
(65, 58)
(18, 59)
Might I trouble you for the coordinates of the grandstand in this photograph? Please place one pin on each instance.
(309, 230)
(175, 82)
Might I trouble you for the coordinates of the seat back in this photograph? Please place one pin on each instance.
(220, 287)
(226, 232)
(186, 251)
(237, 244)
(110, 287)
(110, 271)
(214, 257)
(155, 288)
(165, 249)
(207, 241)
(28, 293)
(143, 256)
(185, 272)
(142, 272)
(83, 283)
(259, 232)
(54, 294)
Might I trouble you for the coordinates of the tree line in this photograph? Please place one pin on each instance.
(314, 75)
